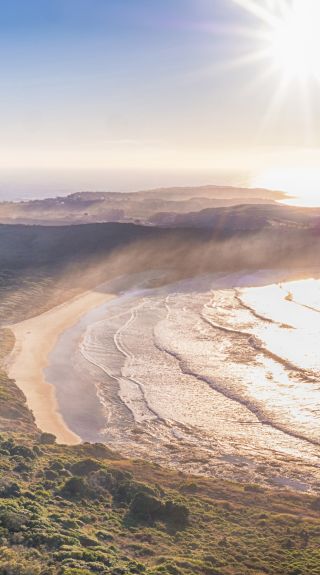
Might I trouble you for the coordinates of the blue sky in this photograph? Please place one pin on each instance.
(112, 84)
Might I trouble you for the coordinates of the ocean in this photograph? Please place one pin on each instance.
(211, 371)
(40, 184)
(302, 185)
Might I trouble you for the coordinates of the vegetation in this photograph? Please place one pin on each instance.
(83, 510)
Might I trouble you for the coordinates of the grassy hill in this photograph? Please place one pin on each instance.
(84, 510)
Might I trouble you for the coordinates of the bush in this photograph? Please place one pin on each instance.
(85, 466)
(50, 474)
(316, 504)
(47, 439)
(74, 487)
(10, 490)
(23, 451)
(22, 466)
(106, 480)
(12, 520)
(177, 513)
(145, 506)
(190, 487)
(253, 488)
(12, 563)
(56, 465)
(125, 491)
(8, 445)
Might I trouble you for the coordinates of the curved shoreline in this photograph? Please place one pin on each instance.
(35, 338)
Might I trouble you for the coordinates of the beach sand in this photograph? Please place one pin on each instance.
(35, 338)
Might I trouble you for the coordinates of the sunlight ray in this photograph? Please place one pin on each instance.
(306, 110)
(288, 30)
(259, 81)
(274, 105)
(256, 9)
(245, 61)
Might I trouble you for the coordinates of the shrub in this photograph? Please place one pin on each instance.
(15, 563)
(23, 451)
(104, 536)
(190, 487)
(22, 467)
(74, 487)
(177, 513)
(316, 504)
(253, 488)
(126, 490)
(8, 445)
(87, 541)
(56, 465)
(75, 571)
(145, 506)
(50, 474)
(106, 480)
(85, 466)
(47, 439)
(12, 520)
(10, 490)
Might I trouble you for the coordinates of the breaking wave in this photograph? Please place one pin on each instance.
(212, 366)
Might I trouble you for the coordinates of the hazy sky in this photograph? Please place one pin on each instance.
(136, 84)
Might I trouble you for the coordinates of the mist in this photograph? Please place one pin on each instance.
(44, 266)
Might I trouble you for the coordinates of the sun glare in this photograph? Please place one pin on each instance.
(289, 35)
(285, 44)
(295, 39)
(301, 183)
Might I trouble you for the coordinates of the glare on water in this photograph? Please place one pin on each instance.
(301, 184)
(294, 309)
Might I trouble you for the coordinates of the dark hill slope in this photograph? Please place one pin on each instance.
(243, 217)
(53, 263)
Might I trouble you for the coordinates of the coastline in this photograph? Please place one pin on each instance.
(35, 338)
(61, 400)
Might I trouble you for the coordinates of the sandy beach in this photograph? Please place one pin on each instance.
(35, 339)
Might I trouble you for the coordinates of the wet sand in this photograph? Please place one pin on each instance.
(35, 338)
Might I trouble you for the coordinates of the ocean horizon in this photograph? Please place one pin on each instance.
(41, 184)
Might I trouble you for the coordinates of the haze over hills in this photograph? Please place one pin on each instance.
(223, 209)
(147, 207)
(60, 261)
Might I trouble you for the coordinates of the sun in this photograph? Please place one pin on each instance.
(294, 39)
(289, 36)
(284, 52)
